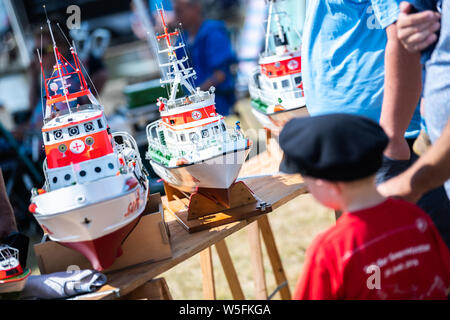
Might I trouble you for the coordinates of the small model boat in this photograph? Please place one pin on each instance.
(190, 147)
(276, 87)
(12, 276)
(95, 184)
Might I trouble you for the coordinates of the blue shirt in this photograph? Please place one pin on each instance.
(211, 50)
(343, 52)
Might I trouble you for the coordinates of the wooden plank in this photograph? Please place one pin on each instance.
(257, 261)
(209, 289)
(155, 289)
(275, 260)
(229, 270)
(217, 219)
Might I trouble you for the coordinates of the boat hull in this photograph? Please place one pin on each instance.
(217, 172)
(276, 121)
(97, 227)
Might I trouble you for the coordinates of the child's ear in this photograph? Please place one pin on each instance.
(334, 189)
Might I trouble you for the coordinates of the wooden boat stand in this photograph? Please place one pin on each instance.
(207, 208)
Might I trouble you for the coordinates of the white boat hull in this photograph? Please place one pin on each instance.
(97, 225)
(217, 172)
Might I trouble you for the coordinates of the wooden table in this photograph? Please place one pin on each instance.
(277, 190)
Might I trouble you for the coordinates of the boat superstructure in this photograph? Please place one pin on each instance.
(191, 146)
(95, 184)
(276, 87)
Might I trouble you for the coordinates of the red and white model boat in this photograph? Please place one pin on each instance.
(96, 186)
(190, 147)
(276, 87)
(12, 276)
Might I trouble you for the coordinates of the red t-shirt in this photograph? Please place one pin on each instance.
(390, 251)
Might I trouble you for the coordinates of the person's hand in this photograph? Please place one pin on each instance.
(399, 187)
(417, 31)
(398, 149)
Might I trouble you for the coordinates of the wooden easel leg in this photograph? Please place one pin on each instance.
(275, 260)
(229, 270)
(268, 137)
(337, 214)
(257, 261)
(209, 290)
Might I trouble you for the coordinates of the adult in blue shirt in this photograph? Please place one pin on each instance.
(353, 62)
(211, 51)
(347, 46)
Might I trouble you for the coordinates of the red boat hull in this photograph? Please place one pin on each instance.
(102, 252)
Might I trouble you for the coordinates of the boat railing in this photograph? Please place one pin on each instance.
(91, 107)
(44, 168)
(178, 150)
(130, 142)
(198, 97)
(284, 95)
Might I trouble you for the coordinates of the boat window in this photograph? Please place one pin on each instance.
(205, 133)
(216, 129)
(224, 129)
(89, 126)
(100, 124)
(98, 169)
(182, 137)
(275, 85)
(67, 177)
(73, 131)
(193, 137)
(285, 84)
(47, 137)
(298, 80)
(58, 134)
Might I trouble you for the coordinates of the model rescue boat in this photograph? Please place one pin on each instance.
(191, 147)
(95, 185)
(276, 87)
(12, 275)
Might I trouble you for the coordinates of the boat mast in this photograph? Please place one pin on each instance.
(58, 65)
(180, 73)
(269, 22)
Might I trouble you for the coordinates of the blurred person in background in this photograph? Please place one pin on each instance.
(210, 48)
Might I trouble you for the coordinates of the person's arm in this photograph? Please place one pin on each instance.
(402, 89)
(7, 219)
(216, 79)
(431, 170)
(417, 31)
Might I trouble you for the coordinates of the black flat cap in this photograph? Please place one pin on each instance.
(334, 147)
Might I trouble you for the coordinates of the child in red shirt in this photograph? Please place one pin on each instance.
(379, 248)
